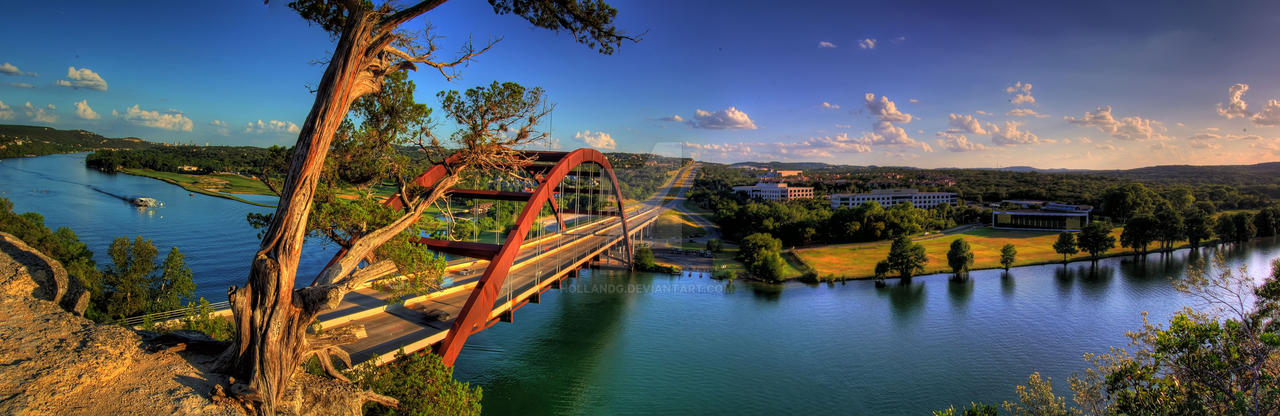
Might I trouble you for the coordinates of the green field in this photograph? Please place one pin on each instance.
(858, 260)
(222, 186)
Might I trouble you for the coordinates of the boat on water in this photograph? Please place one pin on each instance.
(143, 201)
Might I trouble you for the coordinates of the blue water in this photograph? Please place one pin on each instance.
(211, 232)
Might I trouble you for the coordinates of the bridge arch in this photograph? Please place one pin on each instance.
(475, 313)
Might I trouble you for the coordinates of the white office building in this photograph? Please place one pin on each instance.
(891, 197)
(775, 191)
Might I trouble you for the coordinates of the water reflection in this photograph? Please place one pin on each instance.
(960, 291)
(766, 292)
(906, 300)
(1007, 283)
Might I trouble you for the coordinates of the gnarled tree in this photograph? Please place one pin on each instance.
(271, 316)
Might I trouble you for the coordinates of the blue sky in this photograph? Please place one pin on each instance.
(932, 84)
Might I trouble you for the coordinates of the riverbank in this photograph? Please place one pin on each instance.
(216, 185)
(857, 261)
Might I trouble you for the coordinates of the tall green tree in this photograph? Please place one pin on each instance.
(761, 254)
(1096, 239)
(960, 257)
(1170, 226)
(127, 280)
(1198, 227)
(1139, 232)
(1008, 255)
(906, 257)
(172, 287)
(1066, 245)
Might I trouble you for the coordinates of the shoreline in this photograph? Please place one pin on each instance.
(201, 191)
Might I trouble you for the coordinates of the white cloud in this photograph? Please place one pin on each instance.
(885, 110)
(867, 43)
(843, 126)
(83, 111)
(6, 112)
(270, 127)
(1201, 144)
(1269, 116)
(39, 114)
(1009, 134)
(1021, 93)
(1108, 146)
(1086, 140)
(599, 139)
(1235, 107)
(838, 144)
(913, 101)
(83, 78)
(168, 120)
(830, 106)
(10, 69)
(958, 142)
(965, 124)
(673, 117)
(221, 127)
(1025, 112)
(1127, 128)
(825, 44)
(728, 119)
(21, 85)
(980, 112)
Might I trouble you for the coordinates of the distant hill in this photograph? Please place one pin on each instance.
(1238, 175)
(24, 141)
(786, 165)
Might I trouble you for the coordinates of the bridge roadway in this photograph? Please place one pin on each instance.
(425, 320)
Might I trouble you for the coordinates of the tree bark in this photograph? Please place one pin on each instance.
(271, 319)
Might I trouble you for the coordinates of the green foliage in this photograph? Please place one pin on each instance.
(1008, 255)
(422, 384)
(1037, 399)
(761, 254)
(973, 409)
(1236, 227)
(1066, 245)
(1198, 227)
(644, 258)
(205, 159)
(1170, 226)
(133, 284)
(882, 269)
(200, 318)
(589, 21)
(1267, 222)
(1139, 232)
(714, 245)
(26, 141)
(1096, 239)
(959, 256)
(907, 257)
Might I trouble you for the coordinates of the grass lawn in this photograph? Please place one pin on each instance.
(675, 224)
(221, 186)
(859, 260)
(724, 260)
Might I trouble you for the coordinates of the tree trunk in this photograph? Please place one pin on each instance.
(271, 318)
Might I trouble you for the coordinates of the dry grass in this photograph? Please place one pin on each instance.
(859, 260)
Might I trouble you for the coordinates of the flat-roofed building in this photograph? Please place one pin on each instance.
(1055, 216)
(891, 197)
(779, 191)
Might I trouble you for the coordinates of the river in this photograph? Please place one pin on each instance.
(613, 342)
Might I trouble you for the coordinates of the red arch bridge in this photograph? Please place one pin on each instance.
(493, 280)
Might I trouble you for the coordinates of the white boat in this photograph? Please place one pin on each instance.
(145, 202)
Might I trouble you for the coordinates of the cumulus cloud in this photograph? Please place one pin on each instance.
(728, 119)
(965, 124)
(825, 44)
(21, 85)
(1269, 116)
(885, 110)
(83, 78)
(599, 139)
(830, 106)
(6, 112)
(674, 117)
(221, 127)
(1009, 134)
(84, 112)
(867, 43)
(1021, 93)
(10, 69)
(1025, 112)
(1235, 106)
(1127, 128)
(956, 142)
(838, 144)
(38, 114)
(270, 127)
(815, 147)
(168, 120)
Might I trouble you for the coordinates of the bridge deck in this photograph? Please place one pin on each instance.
(425, 320)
